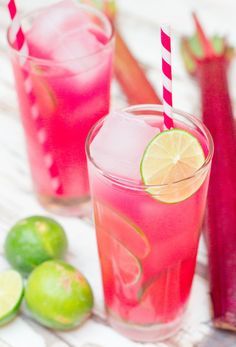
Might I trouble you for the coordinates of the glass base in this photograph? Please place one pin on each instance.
(150, 333)
(79, 207)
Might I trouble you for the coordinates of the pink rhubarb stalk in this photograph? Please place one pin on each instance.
(131, 76)
(208, 60)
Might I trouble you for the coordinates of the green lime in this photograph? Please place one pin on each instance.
(169, 160)
(11, 295)
(34, 240)
(58, 296)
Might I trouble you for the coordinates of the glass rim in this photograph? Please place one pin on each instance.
(48, 62)
(128, 183)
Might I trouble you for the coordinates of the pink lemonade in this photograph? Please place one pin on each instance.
(147, 247)
(69, 63)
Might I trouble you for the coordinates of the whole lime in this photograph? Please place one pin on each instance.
(58, 296)
(33, 240)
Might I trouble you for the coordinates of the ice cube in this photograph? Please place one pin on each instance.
(120, 143)
(79, 43)
(52, 24)
(64, 33)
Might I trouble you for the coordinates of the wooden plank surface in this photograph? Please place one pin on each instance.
(139, 22)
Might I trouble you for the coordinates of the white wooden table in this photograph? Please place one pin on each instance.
(139, 22)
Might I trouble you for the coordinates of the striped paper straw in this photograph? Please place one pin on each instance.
(17, 39)
(166, 76)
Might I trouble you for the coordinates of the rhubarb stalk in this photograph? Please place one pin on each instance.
(208, 60)
(131, 76)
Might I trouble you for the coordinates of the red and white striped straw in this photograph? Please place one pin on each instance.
(166, 76)
(17, 39)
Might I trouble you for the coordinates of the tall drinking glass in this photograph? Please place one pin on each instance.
(147, 235)
(69, 66)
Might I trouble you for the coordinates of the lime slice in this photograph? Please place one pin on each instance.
(125, 265)
(161, 295)
(170, 158)
(122, 229)
(11, 295)
(46, 98)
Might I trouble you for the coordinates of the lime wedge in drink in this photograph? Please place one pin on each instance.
(11, 295)
(122, 229)
(125, 265)
(45, 96)
(169, 159)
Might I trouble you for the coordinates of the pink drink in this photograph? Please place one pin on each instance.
(70, 68)
(147, 248)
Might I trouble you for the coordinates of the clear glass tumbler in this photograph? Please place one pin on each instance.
(147, 247)
(70, 95)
